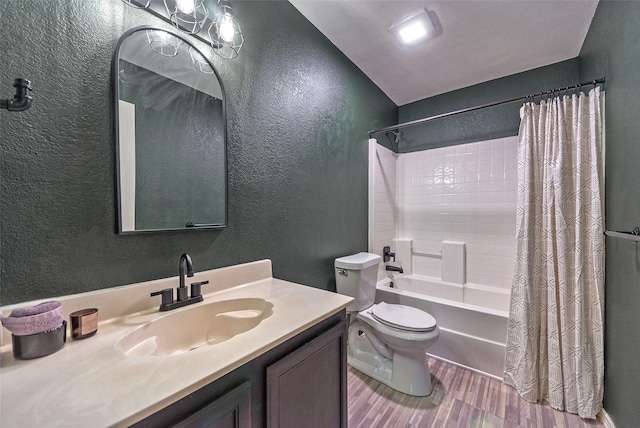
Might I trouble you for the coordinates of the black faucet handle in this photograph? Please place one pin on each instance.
(387, 254)
(167, 295)
(196, 288)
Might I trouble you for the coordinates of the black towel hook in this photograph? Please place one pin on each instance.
(22, 99)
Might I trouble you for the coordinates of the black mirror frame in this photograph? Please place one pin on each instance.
(116, 130)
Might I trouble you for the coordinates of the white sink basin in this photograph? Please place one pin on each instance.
(193, 327)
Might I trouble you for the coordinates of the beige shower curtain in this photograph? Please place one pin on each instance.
(555, 349)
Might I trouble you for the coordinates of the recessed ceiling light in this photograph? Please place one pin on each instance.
(413, 29)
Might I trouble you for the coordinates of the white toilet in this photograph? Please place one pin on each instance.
(387, 342)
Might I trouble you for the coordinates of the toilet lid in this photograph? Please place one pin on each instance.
(403, 317)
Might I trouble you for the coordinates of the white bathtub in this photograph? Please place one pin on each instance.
(472, 318)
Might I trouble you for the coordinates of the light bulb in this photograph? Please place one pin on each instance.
(414, 28)
(412, 32)
(186, 6)
(227, 30)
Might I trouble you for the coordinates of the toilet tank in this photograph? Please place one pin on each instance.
(356, 276)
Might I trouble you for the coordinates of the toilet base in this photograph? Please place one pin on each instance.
(407, 374)
(406, 382)
(411, 376)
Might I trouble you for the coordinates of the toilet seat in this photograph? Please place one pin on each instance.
(403, 317)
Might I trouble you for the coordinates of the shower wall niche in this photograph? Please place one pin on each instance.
(464, 193)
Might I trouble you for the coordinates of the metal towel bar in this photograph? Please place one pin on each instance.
(634, 235)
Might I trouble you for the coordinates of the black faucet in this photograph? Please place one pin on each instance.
(185, 262)
(183, 298)
(394, 269)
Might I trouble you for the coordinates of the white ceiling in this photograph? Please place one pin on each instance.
(478, 40)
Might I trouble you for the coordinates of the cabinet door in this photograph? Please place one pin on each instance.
(232, 410)
(308, 388)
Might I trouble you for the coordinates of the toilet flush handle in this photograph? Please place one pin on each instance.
(343, 272)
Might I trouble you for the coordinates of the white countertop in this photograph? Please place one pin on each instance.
(89, 383)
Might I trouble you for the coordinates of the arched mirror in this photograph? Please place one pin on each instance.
(171, 138)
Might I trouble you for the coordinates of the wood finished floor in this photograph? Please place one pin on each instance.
(460, 398)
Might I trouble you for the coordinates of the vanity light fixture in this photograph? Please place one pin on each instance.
(413, 29)
(163, 43)
(187, 15)
(191, 16)
(167, 44)
(224, 31)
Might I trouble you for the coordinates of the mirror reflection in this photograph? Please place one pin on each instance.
(170, 135)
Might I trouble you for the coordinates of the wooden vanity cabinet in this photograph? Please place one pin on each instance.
(232, 410)
(307, 388)
(300, 383)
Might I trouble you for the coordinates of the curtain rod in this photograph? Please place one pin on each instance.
(466, 110)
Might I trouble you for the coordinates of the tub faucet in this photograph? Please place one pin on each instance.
(394, 269)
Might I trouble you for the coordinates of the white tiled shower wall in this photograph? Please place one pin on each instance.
(461, 193)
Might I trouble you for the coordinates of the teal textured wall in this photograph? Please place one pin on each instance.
(480, 125)
(612, 50)
(299, 112)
